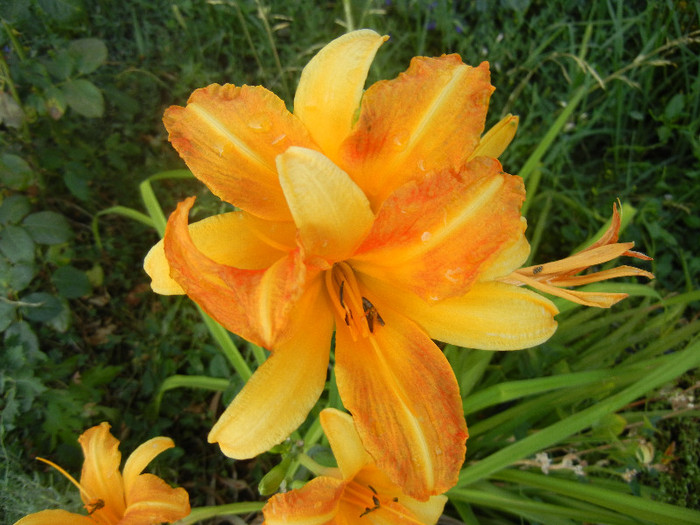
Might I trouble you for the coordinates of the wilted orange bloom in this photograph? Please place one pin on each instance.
(556, 277)
(118, 498)
(381, 214)
(356, 489)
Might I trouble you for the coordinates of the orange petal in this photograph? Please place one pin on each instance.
(100, 476)
(429, 118)
(252, 303)
(331, 87)
(55, 517)
(235, 239)
(141, 457)
(329, 209)
(229, 137)
(595, 299)
(152, 500)
(349, 452)
(496, 140)
(437, 236)
(279, 395)
(316, 503)
(491, 316)
(405, 402)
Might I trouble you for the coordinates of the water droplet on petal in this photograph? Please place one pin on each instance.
(426, 236)
(260, 124)
(400, 140)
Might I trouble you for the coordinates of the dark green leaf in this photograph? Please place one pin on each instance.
(15, 173)
(20, 333)
(84, 97)
(13, 209)
(59, 65)
(43, 307)
(15, 277)
(7, 311)
(89, 54)
(16, 244)
(71, 282)
(62, 10)
(48, 227)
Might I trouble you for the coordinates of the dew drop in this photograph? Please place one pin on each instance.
(400, 140)
(426, 236)
(260, 124)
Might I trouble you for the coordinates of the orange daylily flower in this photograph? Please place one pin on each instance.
(555, 277)
(356, 489)
(118, 498)
(381, 214)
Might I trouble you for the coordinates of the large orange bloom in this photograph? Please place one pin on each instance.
(380, 214)
(356, 489)
(118, 498)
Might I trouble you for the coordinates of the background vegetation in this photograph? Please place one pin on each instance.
(607, 93)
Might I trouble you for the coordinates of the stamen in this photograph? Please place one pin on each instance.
(70, 478)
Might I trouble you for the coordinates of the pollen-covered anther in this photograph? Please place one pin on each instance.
(356, 311)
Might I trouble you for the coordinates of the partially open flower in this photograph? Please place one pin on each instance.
(356, 489)
(556, 278)
(118, 498)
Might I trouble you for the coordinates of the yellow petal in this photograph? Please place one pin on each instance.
(254, 304)
(491, 316)
(229, 137)
(235, 239)
(141, 457)
(331, 87)
(279, 395)
(348, 450)
(330, 210)
(100, 476)
(151, 500)
(430, 118)
(316, 503)
(438, 236)
(405, 403)
(496, 140)
(55, 517)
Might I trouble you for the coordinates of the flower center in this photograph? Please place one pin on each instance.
(355, 310)
(365, 497)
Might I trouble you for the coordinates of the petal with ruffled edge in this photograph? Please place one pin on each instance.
(316, 503)
(235, 239)
(429, 118)
(329, 209)
(100, 476)
(254, 304)
(152, 500)
(331, 86)
(141, 457)
(491, 316)
(436, 236)
(279, 395)
(229, 137)
(405, 402)
(55, 517)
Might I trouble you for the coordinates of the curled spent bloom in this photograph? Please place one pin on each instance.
(557, 277)
(118, 498)
(356, 489)
(382, 215)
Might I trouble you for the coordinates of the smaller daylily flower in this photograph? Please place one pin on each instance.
(117, 498)
(556, 277)
(356, 492)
